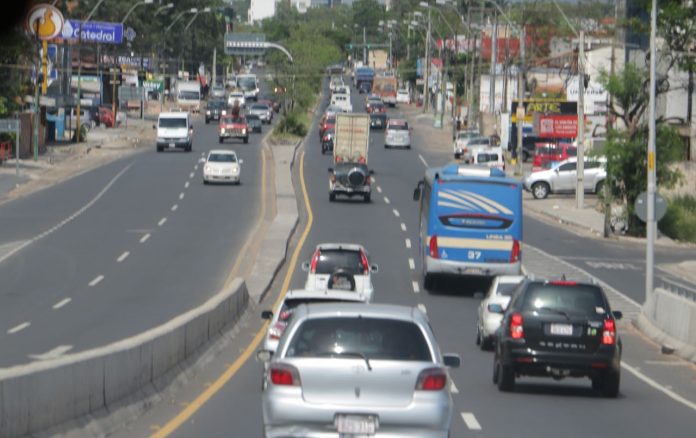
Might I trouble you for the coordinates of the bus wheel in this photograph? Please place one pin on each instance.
(429, 281)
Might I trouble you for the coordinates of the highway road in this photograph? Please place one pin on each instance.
(649, 404)
(121, 249)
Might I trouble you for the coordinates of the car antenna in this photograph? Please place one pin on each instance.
(563, 277)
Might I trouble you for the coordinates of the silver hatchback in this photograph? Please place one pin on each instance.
(351, 369)
(397, 134)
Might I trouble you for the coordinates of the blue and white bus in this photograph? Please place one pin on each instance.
(470, 222)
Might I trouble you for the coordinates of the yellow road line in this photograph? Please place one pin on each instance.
(211, 390)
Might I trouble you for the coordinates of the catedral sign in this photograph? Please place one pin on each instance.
(544, 107)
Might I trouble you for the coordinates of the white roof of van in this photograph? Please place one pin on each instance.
(175, 115)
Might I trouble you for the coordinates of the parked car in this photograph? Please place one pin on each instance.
(254, 122)
(546, 154)
(223, 166)
(562, 177)
(397, 134)
(403, 96)
(328, 258)
(468, 146)
(345, 369)
(294, 298)
(461, 140)
(490, 311)
(559, 329)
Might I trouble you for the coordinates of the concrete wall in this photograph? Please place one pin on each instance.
(40, 395)
(671, 320)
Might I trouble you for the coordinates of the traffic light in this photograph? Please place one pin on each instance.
(369, 46)
(350, 46)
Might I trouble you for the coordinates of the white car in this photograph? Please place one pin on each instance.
(293, 298)
(221, 165)
(342, 101)
(331, 259)
(336, 82)
(492, 307)
(397, 134)
(562, 177)
(461, 140)
(465, 152)
(238, 96)
(402, 96)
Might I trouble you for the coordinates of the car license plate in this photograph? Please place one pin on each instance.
(356, 424)
(172, 145)
(473, 271)
(561, 329)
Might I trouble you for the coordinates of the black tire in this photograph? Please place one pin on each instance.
(205, 182)
(505, 377)
(220, 140)
(599, 187)
(540, 190)
(367, 198)
(207, 121)
(611, 382)
(428, 281)
(485, 344)
(159, 149)
(386, 146)
(457, 156)
(246, 140)
(189, 148)
(478, 336)
(332, 197)
(525, 156)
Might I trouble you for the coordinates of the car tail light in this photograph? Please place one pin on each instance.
(363, 261)
(516, 328)
(277, 330)
(516, 251)
(333, 177)
(315, 257)
(609, 332)
(285, 375)
(432, 247)
(432, 379)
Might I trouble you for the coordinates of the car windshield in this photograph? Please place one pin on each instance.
(577, 298)
(172, 122)
(252, 118)
(233, 120)
(332, 259)
(466, 135)
(222, 158)
(216, 104)
(189, 95)
(259, 107)
(398, 126)
(248, 83)
(348, 337)
(506, 289)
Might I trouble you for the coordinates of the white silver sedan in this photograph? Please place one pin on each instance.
(357, 370)
(223, 166)
(492, 307)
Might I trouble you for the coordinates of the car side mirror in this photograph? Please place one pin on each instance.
(617, 314)
(267, 314)
(416, 194)
(372, 172)
(496, 308)
(331, 169)
(202, 160)
(374, 268)
(264, 355)
(451, 360)
(556, 170)
(241, 161)
(305, 266)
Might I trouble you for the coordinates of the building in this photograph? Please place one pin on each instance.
(261, 9)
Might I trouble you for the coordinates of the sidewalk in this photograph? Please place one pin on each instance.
(62, 162)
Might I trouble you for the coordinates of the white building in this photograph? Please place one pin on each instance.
(261, 9)
(301, 5)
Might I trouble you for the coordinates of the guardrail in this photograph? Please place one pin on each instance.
(678, 288)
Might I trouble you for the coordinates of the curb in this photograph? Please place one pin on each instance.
(649, 329)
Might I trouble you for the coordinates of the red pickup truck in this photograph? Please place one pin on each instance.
(233, 127)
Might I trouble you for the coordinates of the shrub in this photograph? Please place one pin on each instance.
(294, 122)
(679, 222)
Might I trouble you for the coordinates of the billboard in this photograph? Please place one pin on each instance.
(93, 31)
(558, 126)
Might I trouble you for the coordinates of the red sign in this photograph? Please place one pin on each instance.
(558, 126)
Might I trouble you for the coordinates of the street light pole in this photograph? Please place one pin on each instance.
(652, 177)
(426, 89)
(130, 11)
(580, 185)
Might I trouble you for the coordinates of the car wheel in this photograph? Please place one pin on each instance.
(246, 140)
(611, 381)
(159, 149)
(506, 377)
(540, 190)
(486, 343)
(205, 182)
(220, 140)
(478, 335)
(457, 156)
(428, 281)
(332, 197)
(599, 187)
(367, 198)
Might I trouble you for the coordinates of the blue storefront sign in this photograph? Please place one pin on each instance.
(93, 31)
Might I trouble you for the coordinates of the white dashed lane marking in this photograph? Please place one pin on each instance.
(403, 226)
(408, 242)
(470, 421)
(379, 189)
(96, 281)
(144, 238)
(453, 388)
(18, 328)
(425, 163)
(61, 303)
(181, 195)
(411, 264)
(186, 186)
(422, 308)
(191, 175)
(161, 221)
(387, 200)
(396, 212)
(415, 286)
(123, 256)
(174, 207)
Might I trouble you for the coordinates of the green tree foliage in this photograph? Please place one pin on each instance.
(367, 14)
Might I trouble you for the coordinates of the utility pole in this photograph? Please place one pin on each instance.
(426, 88)
(651, 225)
(214, 65)
(520, 102)
(610, 124)
(364, 46)
(494, 59)
(580, 185)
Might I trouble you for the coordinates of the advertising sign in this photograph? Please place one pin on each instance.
(45, 22)
(545, 107)
(558, 126)
(93, 32)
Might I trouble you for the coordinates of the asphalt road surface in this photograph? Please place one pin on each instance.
(387, 227)
(121, 249)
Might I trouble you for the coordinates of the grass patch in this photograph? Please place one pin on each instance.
(295, 123)
(679, 222)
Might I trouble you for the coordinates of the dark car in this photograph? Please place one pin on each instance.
(364, 87)
(378, 120)
(254, 121)
(376, 107)
(350, 179)
(215, 109)
(327, 140)
(559, 329)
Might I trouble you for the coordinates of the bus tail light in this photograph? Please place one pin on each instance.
(432, 248)
(516, 251)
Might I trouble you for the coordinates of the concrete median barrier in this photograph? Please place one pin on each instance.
(670, 320)
(41, 395)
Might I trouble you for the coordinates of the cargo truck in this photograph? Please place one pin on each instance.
(350, 175)
(188, 96)
(385, 87)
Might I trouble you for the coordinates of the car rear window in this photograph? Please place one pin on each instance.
(173, 122)
(577, 298)
(506, 289)
(374, 338)
(486, 157)
(330, 260)
(398, 126)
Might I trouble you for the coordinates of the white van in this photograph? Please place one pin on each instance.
(491, 156)
(174, 131)
(342, 101)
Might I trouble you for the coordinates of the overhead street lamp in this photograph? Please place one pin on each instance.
(163, 8)
(178, 17)
(130, 11)
(196, 15)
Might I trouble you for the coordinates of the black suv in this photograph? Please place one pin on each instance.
(559, 329)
